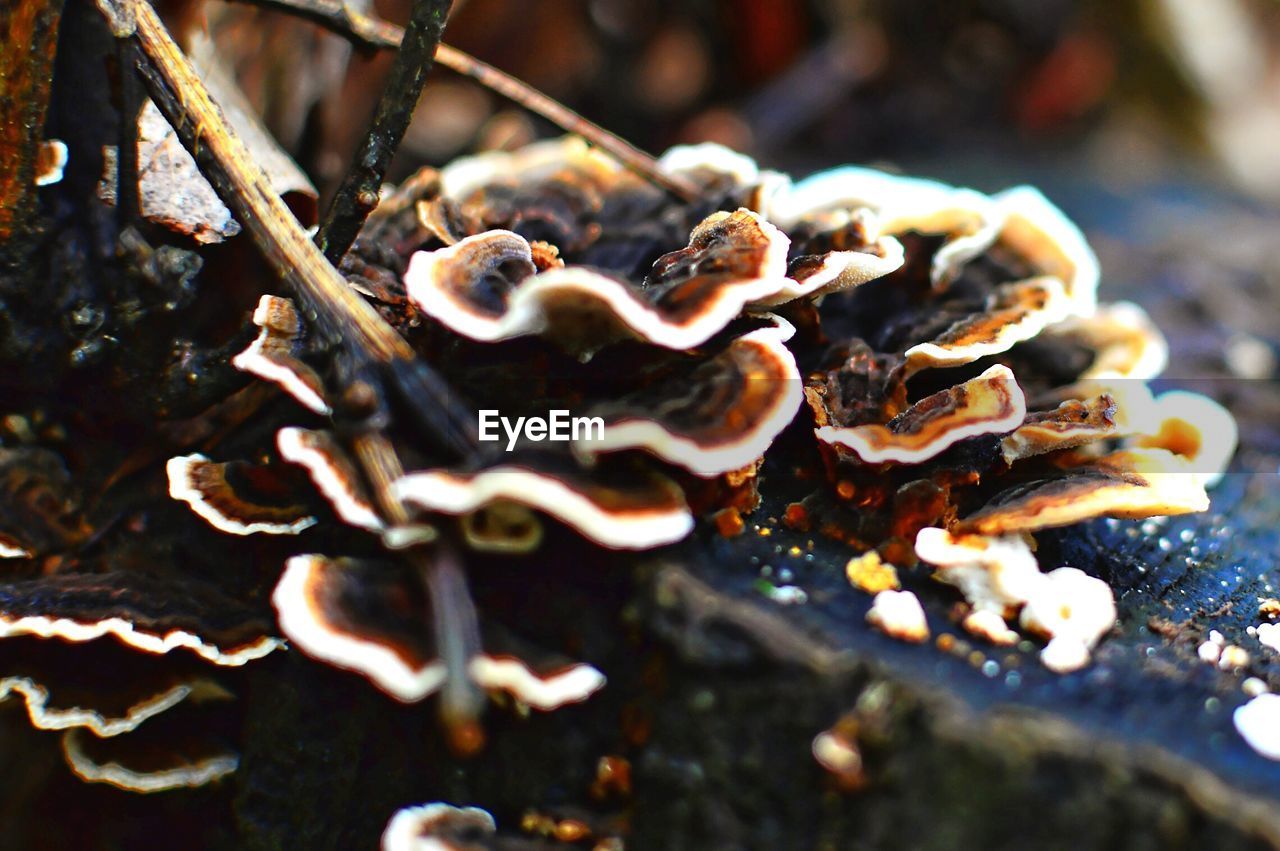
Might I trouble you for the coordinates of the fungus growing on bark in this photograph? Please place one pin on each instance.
(236, 497)
(120, 663)
(1073, 423)
(1036, 230)
(485, 287)
(964, 383)
(617, 507)
(437, 827)
(373, 618)
(545, 690)
(1074, 610)
(45, 713)
(1132, 483)
(333, 474)
(994, 573)
(992, 403)
(945, 309)
(967, 219)
(274, 354)
(920, 319)
(146, 613)
(720, 416)
(1193, 427)
(135, 765)
(1013, 313)
(362, 617)
(999, 576)
(1124, 341)
(105, 687)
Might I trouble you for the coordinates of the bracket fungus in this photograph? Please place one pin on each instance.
(696, 420)
(184, 747)
(939, 354)
(991, 403)
(921, 373)
(488, 286)
(619, 508)
(137, 611)
(334, 475)
(235, 497)
(438, 827)
(274, 354)
(366, 617)
(111, 660)
(968, 220)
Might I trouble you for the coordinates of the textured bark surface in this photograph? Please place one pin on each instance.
(28, 39)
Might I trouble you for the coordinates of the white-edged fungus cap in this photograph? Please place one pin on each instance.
(991, 403)
(1014, 312)
(484, 287)
(970, 219)
(272, 356)
(436, 827)
(222, 495)
(1039, 232)
(644, 511)
(719, 417)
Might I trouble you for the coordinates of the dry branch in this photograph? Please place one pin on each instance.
(357, 196)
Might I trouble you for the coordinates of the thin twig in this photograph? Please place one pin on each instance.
(357, 196)
(555, 112)
(340, 314)
(132, 99)
(375, 34)
(362, 30)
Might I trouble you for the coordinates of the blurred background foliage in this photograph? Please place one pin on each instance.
(1132, 90)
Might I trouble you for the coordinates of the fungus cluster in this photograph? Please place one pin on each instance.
(935, 356)
(137, 673)
(944, 349)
